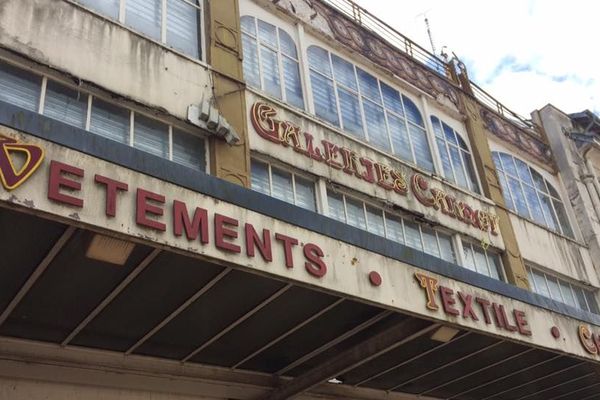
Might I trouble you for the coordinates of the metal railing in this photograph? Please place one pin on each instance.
(368, 21)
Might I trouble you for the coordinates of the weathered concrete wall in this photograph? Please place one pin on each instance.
(66, 37)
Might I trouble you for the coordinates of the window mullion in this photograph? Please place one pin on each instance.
(364, 206)
(43, 94)
(131, 128)
(305, 68)
(163, 22)
(281, 73)
(88, 116)
(294, 188)
(345, 209)
(270, 180)
(122, 11)
(458, 249)
(430, 135)
(171, 142)
(385, 232)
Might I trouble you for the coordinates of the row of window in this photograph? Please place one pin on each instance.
(74, 107)
(563, 291)
(528, 194)
(300, 191)
(176, 23)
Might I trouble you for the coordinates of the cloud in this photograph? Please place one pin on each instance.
(524, 53)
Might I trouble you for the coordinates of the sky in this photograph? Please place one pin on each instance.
(525, 53)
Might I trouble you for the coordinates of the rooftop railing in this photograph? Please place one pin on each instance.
(368, 21)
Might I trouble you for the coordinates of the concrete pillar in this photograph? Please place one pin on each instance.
(229, 162)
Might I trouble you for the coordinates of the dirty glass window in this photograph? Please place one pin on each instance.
(283, 185)
(110, 121)
(456, 158)
(363, 106)
(20, 87)
(66, 104)
(530, 195)
(189, 150)
(482, 260)
(176, 23)
(151, 136)
(271, 61)
(382, 223)
(562, 290)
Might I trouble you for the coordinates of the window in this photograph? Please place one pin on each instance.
(455, 156)
(354, 100)
(271, 61)
(175, 23)
(83, 110)
(530, 195)
(361, 215)
(283, 185)
(562, 291)
(481, 260)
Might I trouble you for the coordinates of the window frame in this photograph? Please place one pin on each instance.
(162, 41)
(489, 264)
(280, 64)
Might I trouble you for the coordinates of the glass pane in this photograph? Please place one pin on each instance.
(318, 59)
(430, 242)
(580, 298)
(394, 229)
(110, 8)
(540, 284)
(144, 16)
(151, 136)
(282, 185)
(375, 221)
(538, 180)
(412, 235)
(355, 213)
(437, 127)
(260, 177)
(305, 194)
(336, 206)
(446, 163)
(267, 34)
(506, 191)
(20, 87)
(189, 150)
(183, 21)
(399, 136)
(293, 86)
(248, 25)
(391, 99)
(472, 177)
(324, 98)
(591, 301)
(449, 134)
(344, 72)
(375, 121)
(518, 197)
(270, 71)
(110, 121)
(563, 220)
(469, 257)
(523, 171)
(412, 112)
(459, 172)
(447, 250)
(369, 86)
(250, 63)
(480, 261)
(554, 288)
(351, 115)
(65, 104)
(287, 45)
(548, 211)
(508, 164)
(496, 158)
(534, 204)
(421, 147)
(495, 264)
(567, 293)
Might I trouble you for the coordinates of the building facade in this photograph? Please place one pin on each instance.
(247, 199)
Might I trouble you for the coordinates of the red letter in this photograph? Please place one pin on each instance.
(499, 316)
(111, 187)
(521, 322)
(288, 242)
(253, 240)
(431, 286)
(58, 181)
(467, 301)
(484, 307)
(448, 300)
(143, 208)
(221, 232)
(314, 264)
(419, 187)
(181, 221)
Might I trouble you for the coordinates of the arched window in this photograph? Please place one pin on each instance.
(360, 104)
(530, 195)
(271, 61)
(455, 156)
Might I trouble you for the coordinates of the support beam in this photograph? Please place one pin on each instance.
(288, 333)
(399, 334)
(179, 309)
(244, 317)
(332, 343)
(37, 272)
(433, 371)
(111, 296)
(573, 392)
(396, 366)
(562, 383)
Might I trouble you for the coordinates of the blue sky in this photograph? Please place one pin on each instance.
(526, 53)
